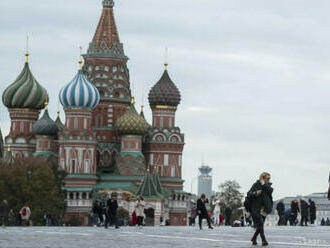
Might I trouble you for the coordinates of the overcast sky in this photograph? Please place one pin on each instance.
(254, 76)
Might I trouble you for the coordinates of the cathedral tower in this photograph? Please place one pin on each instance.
(106, 67)
(164, 142)
(24, 98)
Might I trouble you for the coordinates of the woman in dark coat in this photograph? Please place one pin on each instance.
(202, 212)
(261, 199)
(312, 210)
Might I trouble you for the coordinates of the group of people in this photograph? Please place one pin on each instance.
(105, 214)
(306, 209)
(9, 218)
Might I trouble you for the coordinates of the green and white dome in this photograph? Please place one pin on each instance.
(25, 92)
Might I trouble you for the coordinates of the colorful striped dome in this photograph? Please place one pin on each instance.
(164, 92)
(25, 92)
(132, 123)
(79, 93)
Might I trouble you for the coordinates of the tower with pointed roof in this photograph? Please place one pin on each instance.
(106, 67)
(24, 98)
(164, 142)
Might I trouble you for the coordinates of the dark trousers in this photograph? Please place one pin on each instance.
(259, 224)
(200, 220)
(111, 219)
(303, 220)
(140, 220)
(3, 221)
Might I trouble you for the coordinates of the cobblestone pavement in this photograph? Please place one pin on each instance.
(158, 237)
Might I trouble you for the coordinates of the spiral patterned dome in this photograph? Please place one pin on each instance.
(79, 93)
(45, 126)
(164, 92)
(25, 92)
(132, 123)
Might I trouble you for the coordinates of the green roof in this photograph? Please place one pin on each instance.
(85, 176)
(148, 188)
(72, 189)
(133, 154)
(117, 185)
(46, 154)
(174, 179)
(119, 177)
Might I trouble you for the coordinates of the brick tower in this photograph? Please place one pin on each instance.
(164, 142)
(105, 67)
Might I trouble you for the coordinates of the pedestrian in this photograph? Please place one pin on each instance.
(11, 218)
(304, 212)
(261, 198)
(134, 219)
(112, 211)
(327, 223)
(25, 214)
(294, 212)
(323, 222)
(202, 211)
(139, 209)
(280, 211)
(4, 212)
(228, 213)
(312, 211)
(95, 212)
(104, 214)
(216, 212)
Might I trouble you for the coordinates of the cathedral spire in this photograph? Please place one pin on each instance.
(108, 3)
(106, 38)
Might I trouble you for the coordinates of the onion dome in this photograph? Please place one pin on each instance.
(25, 91)
(59, 123)
(164, 92)
(131, 122)
(79, 93)
(45, 125)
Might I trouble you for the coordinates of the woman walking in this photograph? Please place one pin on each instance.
(216, 212)
(261, 198)
(139, 210)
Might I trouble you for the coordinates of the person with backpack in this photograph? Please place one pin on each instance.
(25, 214)
(260, 205)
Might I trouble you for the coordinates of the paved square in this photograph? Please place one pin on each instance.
(158, 237)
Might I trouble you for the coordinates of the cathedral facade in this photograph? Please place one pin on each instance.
(104, 145)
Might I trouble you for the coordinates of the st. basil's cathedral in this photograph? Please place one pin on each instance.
(105, 146)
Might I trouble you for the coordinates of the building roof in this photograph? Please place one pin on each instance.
(131, 122)
(164, 92)
(59, 123)
(45, 125)
(156, 180)
(106, 40)
(79, 93)
(25, 91)
(148, 187)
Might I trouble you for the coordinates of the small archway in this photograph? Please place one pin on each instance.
(150, 217)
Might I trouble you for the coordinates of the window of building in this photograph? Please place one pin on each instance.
(85, 123)
(180, 160)
(170, 121)
(166, 159)
(30, 127)
(172, 171)
(151, 159)
(62, 163)
(87, 166)
(84, 196)
(73, 166)
(161, 122)
(14, 126)
(22, 126)
(75, 123)
(71, 196)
